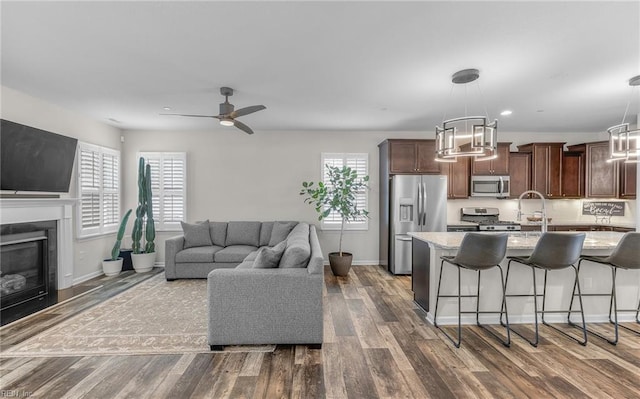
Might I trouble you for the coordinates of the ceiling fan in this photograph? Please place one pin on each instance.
(227, 114)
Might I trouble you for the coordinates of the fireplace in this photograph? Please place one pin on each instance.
(28, 268)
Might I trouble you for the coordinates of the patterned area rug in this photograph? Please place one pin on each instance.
(153, 317)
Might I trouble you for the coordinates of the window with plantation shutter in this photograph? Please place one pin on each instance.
(99, 190)
(169, 188)
(360, 163)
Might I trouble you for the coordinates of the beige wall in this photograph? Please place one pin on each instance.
(27, 110)
(234, 176)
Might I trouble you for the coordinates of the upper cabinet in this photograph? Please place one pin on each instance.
(458, 178)
(498, 166)
(519, 173)
(413, 157)
(546, 167)
(604, 179)
(573, 174)
(628, 173)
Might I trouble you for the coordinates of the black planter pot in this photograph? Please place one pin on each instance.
(340, 265)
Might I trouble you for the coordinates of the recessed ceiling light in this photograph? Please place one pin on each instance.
(506, 112)
(167, 108)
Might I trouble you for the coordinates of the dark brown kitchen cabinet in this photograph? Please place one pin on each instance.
(458, 178)
(546, 167)
(573, 174)
(628, 173)
(519, 173)
(601, 177)
(498, 166)
(413, 156)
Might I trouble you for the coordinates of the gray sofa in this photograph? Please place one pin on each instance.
(279, 305)
(226, 246)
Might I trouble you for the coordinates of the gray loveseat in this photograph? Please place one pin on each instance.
(282, 305)
(226, 245)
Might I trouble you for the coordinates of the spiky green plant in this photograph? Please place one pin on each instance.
(115, 251)
(141, 210)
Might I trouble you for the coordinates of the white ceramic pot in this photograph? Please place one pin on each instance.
(143, 262)
(112, 267)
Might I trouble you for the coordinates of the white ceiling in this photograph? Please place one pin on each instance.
(560, 66)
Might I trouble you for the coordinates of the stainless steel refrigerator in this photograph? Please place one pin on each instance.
(416, 203)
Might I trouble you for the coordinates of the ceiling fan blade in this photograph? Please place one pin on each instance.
(247, 110)
(196, 116)
(242, 127)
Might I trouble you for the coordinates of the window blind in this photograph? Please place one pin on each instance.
(358, 162)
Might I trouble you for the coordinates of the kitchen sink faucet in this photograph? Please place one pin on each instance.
(543, 228)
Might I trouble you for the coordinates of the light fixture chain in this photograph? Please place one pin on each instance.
(484, 104)
(626, 111)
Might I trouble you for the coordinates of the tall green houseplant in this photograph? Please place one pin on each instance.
(145, 208)
(338, 195)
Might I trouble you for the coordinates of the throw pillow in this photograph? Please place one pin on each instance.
(269, 258)
(196, 235)
(280, 232)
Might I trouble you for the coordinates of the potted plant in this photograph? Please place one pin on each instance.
(143, 258)
(113, 266)
(339, 195)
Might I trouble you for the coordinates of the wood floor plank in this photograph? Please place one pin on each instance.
(377, 344)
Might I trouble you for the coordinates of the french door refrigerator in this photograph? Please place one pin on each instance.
(416, 203)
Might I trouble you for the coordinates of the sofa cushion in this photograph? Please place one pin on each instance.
(280, 232)
(233, 253)
(265, 233)
(243, 233)
(245, 265)
(298, 249)
(252, 255)
(197, 254)
(269, 258)
(218, 232)
(196, 235)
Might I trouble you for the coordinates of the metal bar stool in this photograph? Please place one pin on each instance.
(626, 256)
(478, 252)
(553, 251)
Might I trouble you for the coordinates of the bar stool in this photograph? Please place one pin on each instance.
(626, 256)
(478, 252)
(554, 251)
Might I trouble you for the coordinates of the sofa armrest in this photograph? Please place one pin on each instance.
(264, 306)
(172, 246)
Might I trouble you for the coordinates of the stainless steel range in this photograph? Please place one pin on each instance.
(488, 219)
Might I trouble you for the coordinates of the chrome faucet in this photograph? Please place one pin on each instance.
(543, 228)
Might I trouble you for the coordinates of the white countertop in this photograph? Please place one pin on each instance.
(521, 240)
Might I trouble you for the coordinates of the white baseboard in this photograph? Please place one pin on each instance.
(361, 262)
(87, 277)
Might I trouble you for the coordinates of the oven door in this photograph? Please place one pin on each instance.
(490, 186)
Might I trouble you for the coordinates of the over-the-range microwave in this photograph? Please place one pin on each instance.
(490, 186)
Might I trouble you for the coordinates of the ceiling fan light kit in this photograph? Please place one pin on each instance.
(468, 136)
(624, 142)
(228, 113)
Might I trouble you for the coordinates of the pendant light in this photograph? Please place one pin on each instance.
(467, 136)
(624, 143)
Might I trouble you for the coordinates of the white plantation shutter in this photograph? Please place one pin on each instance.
(98, 189)
(360, 163)
(169, 188)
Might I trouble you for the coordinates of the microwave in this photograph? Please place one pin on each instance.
(490, 186)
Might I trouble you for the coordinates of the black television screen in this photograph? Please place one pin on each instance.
(34, 159)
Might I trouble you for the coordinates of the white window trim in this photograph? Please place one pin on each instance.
(101, 229)
(350, 225)
(160, 226)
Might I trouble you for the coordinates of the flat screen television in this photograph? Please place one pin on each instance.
(34, 159)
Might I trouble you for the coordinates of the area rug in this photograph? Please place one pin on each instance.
(153, 317)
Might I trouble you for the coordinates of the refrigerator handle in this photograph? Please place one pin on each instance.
(419, 204)
(424, 205)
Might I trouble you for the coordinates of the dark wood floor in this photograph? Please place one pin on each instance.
(376, 345)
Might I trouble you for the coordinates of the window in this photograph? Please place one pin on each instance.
(98, 189)
(169, 188)
(360, 163)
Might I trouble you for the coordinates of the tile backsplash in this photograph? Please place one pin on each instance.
(567, 210)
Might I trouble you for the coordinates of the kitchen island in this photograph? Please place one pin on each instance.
(428, 247)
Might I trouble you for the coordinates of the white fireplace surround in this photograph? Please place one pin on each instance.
(24, 210)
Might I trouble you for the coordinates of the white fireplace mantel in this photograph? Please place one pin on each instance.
(24, 210)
